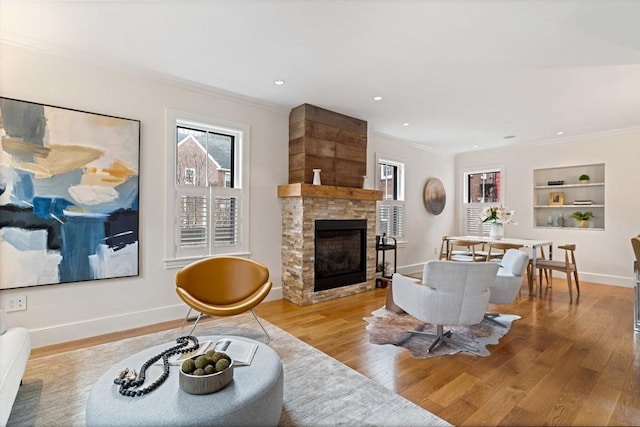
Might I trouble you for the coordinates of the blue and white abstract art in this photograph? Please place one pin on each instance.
(68, 195)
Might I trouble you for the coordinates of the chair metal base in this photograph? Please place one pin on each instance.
(442, 337)
(491, 317)
(201, 314)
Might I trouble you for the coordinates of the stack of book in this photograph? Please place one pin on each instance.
(240, 351)
(582, 202)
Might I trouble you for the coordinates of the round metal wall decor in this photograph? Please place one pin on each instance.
(435, 197)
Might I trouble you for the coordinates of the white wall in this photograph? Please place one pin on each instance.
(423, 230)
(602, 256)
(57, 313)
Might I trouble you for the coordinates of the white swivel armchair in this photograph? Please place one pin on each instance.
(513, 266)
(451, 293)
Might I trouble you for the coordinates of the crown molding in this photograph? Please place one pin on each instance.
(120, 67)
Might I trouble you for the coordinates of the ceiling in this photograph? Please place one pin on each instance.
(463, 74)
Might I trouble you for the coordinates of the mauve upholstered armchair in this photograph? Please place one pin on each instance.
(451, 293)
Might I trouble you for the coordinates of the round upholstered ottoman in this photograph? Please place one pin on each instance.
(254, 396)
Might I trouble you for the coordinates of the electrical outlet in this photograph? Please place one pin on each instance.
(17, 303)
(435, 251)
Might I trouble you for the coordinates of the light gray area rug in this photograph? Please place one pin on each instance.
(388, 327)
(318, 390)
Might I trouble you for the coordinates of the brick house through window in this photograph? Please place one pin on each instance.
(207, 171)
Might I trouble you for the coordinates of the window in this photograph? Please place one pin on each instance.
(209, 217)
(189, 176)
(481, 188)
(391, 208)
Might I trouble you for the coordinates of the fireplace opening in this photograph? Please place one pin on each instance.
(340, 253)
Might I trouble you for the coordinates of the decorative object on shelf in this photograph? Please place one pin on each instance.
(550, 221)
(582, 218)
(497, 216)
(582, 202)
(584, 179)
(556, 198)
(316, 177)
(365, 183)
(560, 220)
(560, 182)
(435, 197)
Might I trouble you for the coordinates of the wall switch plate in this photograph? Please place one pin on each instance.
(17, 303)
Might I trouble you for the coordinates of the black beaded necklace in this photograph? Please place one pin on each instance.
(127, 384)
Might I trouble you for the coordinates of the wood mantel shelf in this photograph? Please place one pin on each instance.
(327, 192)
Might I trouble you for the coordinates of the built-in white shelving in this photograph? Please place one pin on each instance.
(552, 201)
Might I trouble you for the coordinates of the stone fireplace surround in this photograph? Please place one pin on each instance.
(302, 205)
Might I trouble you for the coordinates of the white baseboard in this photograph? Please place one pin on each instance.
(104, 325)
(411, 269)
(602, 279)
(626, 282)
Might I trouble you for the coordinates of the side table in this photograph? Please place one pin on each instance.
(384, 247)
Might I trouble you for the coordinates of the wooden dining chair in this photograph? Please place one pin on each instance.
(444, 249)
(568, 266)
(545, 273)
(468, 252)
(496, 250)
(635, 243)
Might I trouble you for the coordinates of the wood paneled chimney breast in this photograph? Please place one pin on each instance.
(332, 142)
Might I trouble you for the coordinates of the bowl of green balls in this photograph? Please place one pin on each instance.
(206, 373)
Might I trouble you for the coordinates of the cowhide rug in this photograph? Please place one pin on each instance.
(388, 327)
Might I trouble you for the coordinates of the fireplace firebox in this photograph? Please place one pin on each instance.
(340, 253)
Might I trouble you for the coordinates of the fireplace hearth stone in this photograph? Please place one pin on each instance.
(302, 205)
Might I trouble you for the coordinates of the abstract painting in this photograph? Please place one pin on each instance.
(68, 195)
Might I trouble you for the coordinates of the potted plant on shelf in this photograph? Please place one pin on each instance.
(584, 179)
(582, 218)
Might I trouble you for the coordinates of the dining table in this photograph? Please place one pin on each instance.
(533, 244)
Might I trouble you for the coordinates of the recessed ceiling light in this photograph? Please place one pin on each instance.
(405, 124)
(377, 98)
(508, 137)
(475, 146)
(560, 132)
(279, 82)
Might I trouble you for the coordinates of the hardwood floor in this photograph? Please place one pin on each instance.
(561, 364)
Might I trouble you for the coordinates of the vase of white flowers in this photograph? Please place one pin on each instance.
(496, 231)
(497, 216)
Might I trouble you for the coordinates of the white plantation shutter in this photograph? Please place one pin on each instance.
(193, 220)
(391, 217)
(226, 218)
(193, 217)
(210, 220)
(472, 223)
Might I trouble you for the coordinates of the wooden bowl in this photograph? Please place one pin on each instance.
(205, 384)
